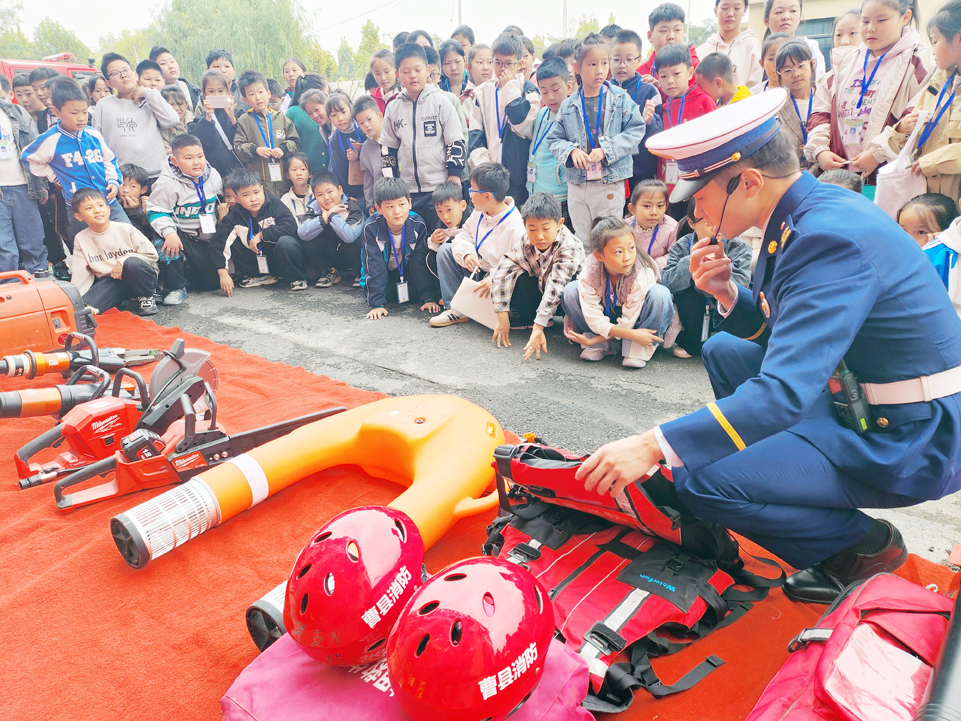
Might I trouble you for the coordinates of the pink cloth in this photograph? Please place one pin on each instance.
(285, 684)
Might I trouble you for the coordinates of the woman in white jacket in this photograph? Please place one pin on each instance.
(871, 89)
(742, 47)
(784, 16)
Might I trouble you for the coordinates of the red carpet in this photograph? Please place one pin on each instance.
(88, 637)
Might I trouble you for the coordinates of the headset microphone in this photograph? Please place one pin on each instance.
(731, 187)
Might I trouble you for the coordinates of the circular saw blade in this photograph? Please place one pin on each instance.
(195, 361)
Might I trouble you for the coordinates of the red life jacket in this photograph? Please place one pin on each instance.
(613, 582)
(539, 474)
(868, 659)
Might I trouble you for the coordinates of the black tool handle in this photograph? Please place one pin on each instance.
(87, 341)
(944, 692)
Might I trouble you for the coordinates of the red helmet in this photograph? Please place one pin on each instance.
(351, 582)
(471, 643)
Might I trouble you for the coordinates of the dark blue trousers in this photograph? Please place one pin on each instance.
(782, 493)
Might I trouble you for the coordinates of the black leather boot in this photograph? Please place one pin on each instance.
(824, 581)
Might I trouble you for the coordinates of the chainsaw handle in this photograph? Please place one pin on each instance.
(45, 440)
(211, 404)
(92, 370)
(85, 340)
(138, 379)
(84, 474)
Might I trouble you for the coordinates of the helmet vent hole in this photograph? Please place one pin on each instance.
(329, 584)
(401, 530)
(456, 632)
(455, 577)
(303, 571)
(428, 608)
(303, 604)
(523, 701)
(488, 604)
(377, 645)
(540, 599)
(422, 646)
(323, 536)
(353, 553)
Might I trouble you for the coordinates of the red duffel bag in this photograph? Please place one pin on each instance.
(869, 658)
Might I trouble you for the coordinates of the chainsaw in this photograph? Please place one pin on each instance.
(30, 365)
(93, 429)
(147, 459)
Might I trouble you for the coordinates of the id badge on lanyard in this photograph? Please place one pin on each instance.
(274, 171)
(403, 294)
(531, 171)
(208, 225)
(8, 149)
(261, 262)
(671, 174)
(595, 171)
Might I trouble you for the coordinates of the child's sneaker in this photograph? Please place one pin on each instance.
(298, 285)
(448, 317)
(175, 297)
(596, 352)
(356, 283)
(148, 306)
(61, 271)
(325, 281)
(249, 281)
(633, 362)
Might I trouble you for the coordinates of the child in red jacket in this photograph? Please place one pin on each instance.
(684, 102)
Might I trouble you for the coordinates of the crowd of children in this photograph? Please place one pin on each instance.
(467, 166)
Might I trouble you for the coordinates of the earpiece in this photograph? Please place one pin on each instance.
(733, 183)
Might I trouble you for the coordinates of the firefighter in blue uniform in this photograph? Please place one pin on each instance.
(842, 299)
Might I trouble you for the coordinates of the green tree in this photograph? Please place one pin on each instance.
(541, 44)
(320, 61)
(132, 44)
(14, 43)
(698, 34)
(259, 34)
(584, 25)
(611, 20)
(370, 43)
(51, 38)
(346, 66)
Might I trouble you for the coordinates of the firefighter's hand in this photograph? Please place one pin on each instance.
(616, 465)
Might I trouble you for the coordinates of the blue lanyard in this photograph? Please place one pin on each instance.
(610, 297)
(340, 138)
(497, 109)
(938, 110)
(866, 85)
(653, 238)
(251, 222)
(199, 187)
(268, 141)
(538, 136)
(680, 115)
(587, 123)
(804, 129)
(393, 251)
(477, 246)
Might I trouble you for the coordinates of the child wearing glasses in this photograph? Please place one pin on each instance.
(795, 69)
(502, 117)
(132, 121)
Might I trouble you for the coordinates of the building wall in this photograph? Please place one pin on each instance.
(818, 17)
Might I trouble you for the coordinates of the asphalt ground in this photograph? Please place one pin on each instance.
(567, 402)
